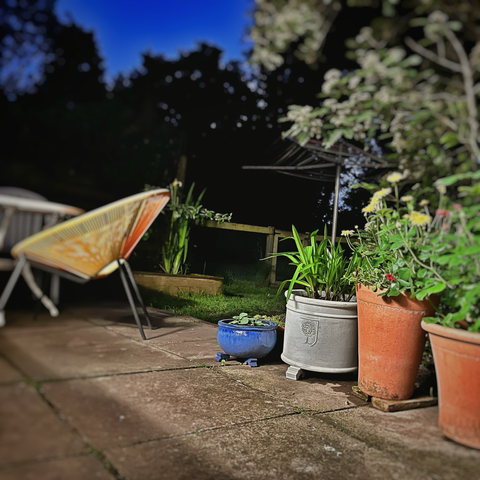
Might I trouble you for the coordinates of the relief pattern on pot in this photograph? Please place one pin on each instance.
(310, 330)
(395, 309)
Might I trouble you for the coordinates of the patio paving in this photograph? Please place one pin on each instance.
(82, 396)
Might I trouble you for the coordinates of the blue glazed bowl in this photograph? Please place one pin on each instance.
(243, 341)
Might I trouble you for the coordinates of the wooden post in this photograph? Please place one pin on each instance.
(273, 266)
(305, 238)
(270, 243)
(182, 169)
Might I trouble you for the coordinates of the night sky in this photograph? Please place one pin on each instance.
(125, 28)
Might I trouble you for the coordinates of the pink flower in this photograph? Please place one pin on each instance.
(457, 206)
(440, 212)
(390, 277)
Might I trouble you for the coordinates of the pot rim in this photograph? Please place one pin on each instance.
(405, 293)
(300, 295)
(452, 333)
(270, 325)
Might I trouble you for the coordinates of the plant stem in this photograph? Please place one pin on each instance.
(439, 277)
(468, 83)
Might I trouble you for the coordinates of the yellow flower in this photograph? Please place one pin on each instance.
(419, 219)
(394, 177)
(406, 216)
(442, 189)
(424, 203)
(347, 233)
(406, 198)
(382, 193)
(371, 207)
(375, 200)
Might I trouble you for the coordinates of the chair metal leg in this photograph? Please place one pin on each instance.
(137, 292)
(130, 300)
(55, 289)
(9, 287)
(28, 276)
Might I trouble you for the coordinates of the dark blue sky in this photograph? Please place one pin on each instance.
(126, 28)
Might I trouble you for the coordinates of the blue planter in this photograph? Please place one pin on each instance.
(243, 341)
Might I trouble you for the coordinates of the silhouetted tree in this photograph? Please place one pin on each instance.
(77, 140)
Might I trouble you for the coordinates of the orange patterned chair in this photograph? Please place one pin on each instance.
(92, 245)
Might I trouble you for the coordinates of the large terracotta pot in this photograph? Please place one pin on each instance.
(390, 342)
(456, 354)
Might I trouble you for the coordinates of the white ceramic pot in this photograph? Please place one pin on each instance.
(320, 335)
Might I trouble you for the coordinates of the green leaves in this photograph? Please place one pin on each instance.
(244, 319)
(449, 139)
(334, 137)
(323, 269)
(437, 287)
(453, 179)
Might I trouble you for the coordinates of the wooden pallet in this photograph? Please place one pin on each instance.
(420, 401)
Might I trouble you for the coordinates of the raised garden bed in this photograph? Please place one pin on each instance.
(173, 284)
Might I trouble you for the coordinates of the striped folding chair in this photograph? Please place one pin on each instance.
(91, 246)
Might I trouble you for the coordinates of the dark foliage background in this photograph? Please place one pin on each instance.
(68, 135)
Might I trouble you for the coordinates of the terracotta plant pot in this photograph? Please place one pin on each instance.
(390, 342)
(456, 354)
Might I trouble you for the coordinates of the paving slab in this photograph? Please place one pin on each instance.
(200, 352)
(123, 409)
(30, 429)
(293, 447)
(8, 373)
(412, 435)
(26, 323)
(120, 314)
(317, 392)
(188, 338)
(169, 330)
(85, 467)
(193, 423)
(83, 352)
(106, 311)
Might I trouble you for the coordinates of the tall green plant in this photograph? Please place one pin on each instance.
(322, 268)
(183, 212)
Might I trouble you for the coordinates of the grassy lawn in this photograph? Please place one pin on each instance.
(238, 296)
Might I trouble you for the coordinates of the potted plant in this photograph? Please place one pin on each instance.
(393, 289)
(454, 331)
(321, 317)
(246, 337)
